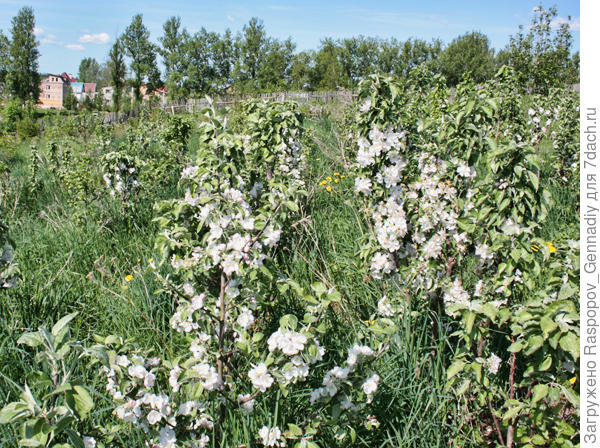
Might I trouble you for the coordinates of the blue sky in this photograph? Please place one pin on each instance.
(70, 31)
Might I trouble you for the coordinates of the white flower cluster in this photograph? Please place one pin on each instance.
(149, 410)
(120, 175)
(417, 219)
(540, 120)
(335, 379)
(271, 436)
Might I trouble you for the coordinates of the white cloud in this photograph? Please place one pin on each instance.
(100, 38)
(75, 47)
(38, 31)
(50, 39)
(574, 23)
(230, 18)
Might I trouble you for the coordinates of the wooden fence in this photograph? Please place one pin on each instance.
(314, 98)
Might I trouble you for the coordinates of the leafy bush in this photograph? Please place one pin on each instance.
(28, 128)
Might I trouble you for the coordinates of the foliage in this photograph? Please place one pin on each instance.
(266, 314)
(431, 205)
(22, 79)
(51, 402)
(4, 55)
(9, 270)
(117, 73)
(13, 113)
(142, 54)
(89, 70)
(469, 53)
(541, 58)
(28, 128)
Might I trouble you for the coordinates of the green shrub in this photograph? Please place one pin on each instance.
(12, 114)
(28, 128)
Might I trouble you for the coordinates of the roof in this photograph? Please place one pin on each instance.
(89, 87)
(68, 76)
(46, 76)
(77, 87)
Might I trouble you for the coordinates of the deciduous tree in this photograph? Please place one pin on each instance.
(89, 70)
(469, 53)
(142, 52)
(22, 77)
(118, 70)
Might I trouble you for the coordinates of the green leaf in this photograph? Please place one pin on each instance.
(546, 364)
(12, 412)
(294, 430)
(533, 344)
(540, 391)
(512, 412)
(32, 339)
(292, 206)
(456, 367)
(516, 346)
(538, 440)
(548, 326)
(83, 401)
(58, 326)
(570, 343)
(319, 288)
(534, 179)
(566, 291)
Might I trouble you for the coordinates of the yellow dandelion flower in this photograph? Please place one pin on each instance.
(369, 322)
(318, 158)
(551, 247)
(328, 188)
(128, 278)
(139, 259)
(323, 182)
(336, 174)
(336, 180)
(149, 260)
(329, 178)
(124, 287)
(342, 176)
(573, 380)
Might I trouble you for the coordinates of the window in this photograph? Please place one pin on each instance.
(48, 96)
(47, 86)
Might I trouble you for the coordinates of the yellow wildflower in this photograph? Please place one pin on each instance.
(573, 380)
(323, 182)
(336, 180)
(128, 278)
(329, 178)
(328, 188)
(318, 158)
(124, 287)
(149, 260)
(342, 176)
(336, 174)
(551, 247)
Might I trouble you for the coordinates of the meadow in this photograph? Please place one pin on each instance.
(398, 273)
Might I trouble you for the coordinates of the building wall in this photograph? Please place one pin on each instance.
(53, 91)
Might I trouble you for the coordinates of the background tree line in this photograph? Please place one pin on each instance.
(207, 62)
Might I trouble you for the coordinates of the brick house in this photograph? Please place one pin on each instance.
(53, 90)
